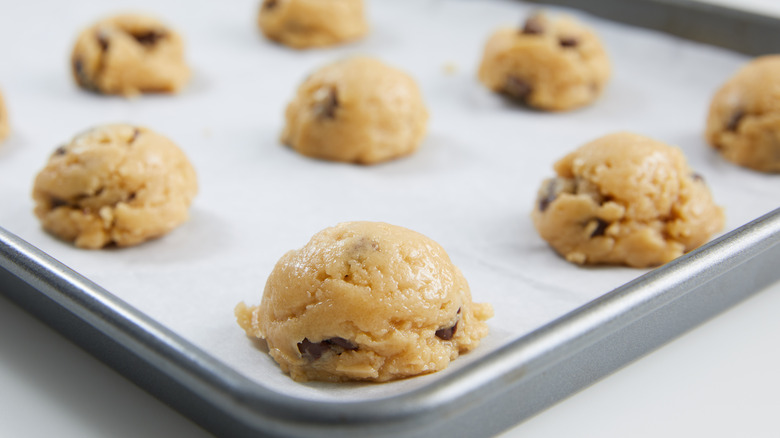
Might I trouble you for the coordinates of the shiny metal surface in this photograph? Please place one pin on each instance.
(742, 31)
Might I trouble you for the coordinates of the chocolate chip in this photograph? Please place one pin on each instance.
(697, 177)
(312, 350)
(533, 26)
(517, 88)
(568, 42)
(150, 38)
(136, 133)
(60, 150)
(545, 202)
(82, 78)
(326, 105)
(81, 75)
(102, 40)
(131, 196)
(446, 334)
(57, 202)
(270, 4)
(737, 117)
(78, 67)
(549, 195)
(343, 343)
(315, 350)
(601, 227)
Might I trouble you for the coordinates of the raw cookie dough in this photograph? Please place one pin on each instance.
(114, 184)
(549, 64)
(744, 119)
(129, 54)
(366, 301)
(356, 110)
(625, 199)
(4, 127)
(312, 23)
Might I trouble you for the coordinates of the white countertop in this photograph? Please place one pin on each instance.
(719, 380)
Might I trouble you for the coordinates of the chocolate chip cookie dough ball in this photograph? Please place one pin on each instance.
(625, 199)
(549, 64)
(114, 184)
(304, 24)
(744, 118)
(129, 54)
(356, 110)
(5, 128)
(366, 301)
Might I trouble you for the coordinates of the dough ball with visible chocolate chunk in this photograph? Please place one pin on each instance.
(5, 128)
(744, 117)
(366, 301)
(114, 184)
(550, 64)
(303, 24)
(357, 110)
(129, 54)
(625, 199)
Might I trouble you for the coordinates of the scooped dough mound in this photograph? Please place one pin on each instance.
(114, 184)
(625, 199)
(551, 64)
(744, 118)
(303, 24)
(366, 301)
(129, 54)
(357, 110)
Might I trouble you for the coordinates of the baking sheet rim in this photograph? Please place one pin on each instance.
(521, 359)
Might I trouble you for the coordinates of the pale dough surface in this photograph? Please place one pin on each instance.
(366, 301)
(357, 110)
(551, 64)
(5, 128)
(129, 54)
(303, 24)
(114, 184)
(744, 117)
(625, 199)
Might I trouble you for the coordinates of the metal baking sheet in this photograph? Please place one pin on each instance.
(547, 340)
(743, 31)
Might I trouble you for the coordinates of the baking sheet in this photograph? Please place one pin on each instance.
(470, 187)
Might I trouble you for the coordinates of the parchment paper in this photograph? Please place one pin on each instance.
(470, 187)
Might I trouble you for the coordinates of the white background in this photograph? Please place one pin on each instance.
(720, 380)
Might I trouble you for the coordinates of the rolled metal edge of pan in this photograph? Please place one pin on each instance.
(742, 31)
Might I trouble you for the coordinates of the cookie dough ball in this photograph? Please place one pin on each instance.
(744, 118)
(115, 184)
(549, 64)
(366, 301)
(4, 126)
(357, 110)
(312, 23)
(625, 199)
(129, 54)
